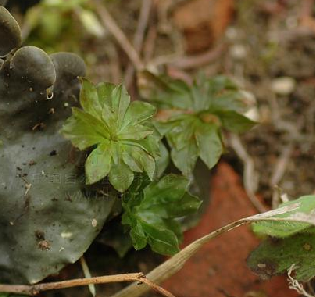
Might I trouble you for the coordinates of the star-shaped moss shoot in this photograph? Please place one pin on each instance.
(121, 133)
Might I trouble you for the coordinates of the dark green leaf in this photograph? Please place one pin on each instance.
(279, 229)
(176, 227)
(203, 94)
(221, 83)
(109, 119)
(126, 139)
(83, 130)
(89, 99)
(275, 256)
(202, 98)
(168, 93)
(209, 143)
(135, 132)
(162, 241)
(120, 176)
(139, 112)
(138, 160)
(287, 228)
(292, 241)
(170, 188)
(185, 159)
(120, 103)
(98, 164)
(104, 91)
(182, 132)
(164, 127)
(235, 122)
(138, 236)
(151, 213)
(151, 145)
(188, 133)
(188, 205)
(133, 163)
(162, 161)
(228, 100)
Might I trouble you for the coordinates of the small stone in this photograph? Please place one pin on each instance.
(283, 85)
(238, 51)
(44, 245)
(94, 223)
(261, 265)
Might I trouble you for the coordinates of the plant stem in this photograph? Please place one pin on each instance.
(33, 290)
(174, 264)
(110, 24)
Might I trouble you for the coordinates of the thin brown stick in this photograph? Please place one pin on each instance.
(188, 62)
(281, 164)
(110, 24)
(279, 171)
(200, 60)
(33, 290)
(149, 44)
(139, 36)
(87, 274)
(250, 175)
(157, 288)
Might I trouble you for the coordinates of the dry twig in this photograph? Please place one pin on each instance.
(279, 172)
(139, 36)
(250, 176)
(33, 290)
(87, 274)
(188, 62)
(110, 24)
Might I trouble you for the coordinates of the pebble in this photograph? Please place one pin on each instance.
(283, 85)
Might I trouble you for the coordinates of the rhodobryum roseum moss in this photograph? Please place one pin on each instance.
(192, 117)
(124, 138)
(151, 209)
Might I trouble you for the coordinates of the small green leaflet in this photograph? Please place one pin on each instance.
(190, 138)
(215, 93)
(121, 133)
(233, 121)
(275, 256)
(286, 228)
(291, 241)
(151, 212)
(197, 114)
